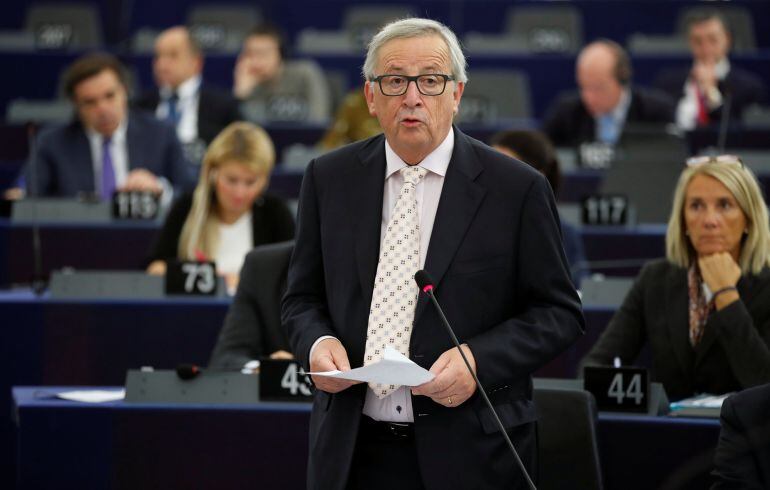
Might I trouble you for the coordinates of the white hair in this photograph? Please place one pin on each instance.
(415, 27)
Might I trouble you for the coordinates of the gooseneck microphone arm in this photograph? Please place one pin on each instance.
(425, 283)
(38, 276)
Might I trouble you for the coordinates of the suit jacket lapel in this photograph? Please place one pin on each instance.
(82, 158)
(460, 198)
(134, 146)
(678, 318)
(367, 183)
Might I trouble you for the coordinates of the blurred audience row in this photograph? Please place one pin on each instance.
(529, 28)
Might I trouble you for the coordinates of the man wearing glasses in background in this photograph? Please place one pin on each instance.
(424, 196)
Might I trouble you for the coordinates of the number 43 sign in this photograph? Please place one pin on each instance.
(623, 389)
(283, 380)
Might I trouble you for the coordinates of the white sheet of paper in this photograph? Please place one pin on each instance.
(394, 368)
(92, 396)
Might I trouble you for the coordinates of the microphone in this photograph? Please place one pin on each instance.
(188, 371)
(724, 121)
(38, 276)
(425, 283)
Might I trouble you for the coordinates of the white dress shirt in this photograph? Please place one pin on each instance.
(186, 106)
(398, 406)
(687, 108)
(120, 163)
(118, 151)
(235, 241)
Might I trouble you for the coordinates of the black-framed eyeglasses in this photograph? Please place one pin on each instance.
(709, 159)
(430, 84)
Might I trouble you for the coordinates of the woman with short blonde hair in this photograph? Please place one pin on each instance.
(705, 309)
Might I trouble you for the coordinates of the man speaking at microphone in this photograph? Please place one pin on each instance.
(484, 226)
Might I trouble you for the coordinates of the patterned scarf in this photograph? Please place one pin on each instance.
(699, 307)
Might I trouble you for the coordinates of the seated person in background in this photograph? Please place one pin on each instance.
(606, 101)
(742, 457)
(194, 108)
(228, 214)
(353, 122)
(702, 88)
(108, 147)
(705, 310)
(273, 89)
(252, 326)
(533, 148)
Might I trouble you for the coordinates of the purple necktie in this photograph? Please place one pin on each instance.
(108, 171)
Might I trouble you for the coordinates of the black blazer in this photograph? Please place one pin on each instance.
(503, 280)
(252, 327)
(744, 88)
(568, 123)
(216, 109)
(733, 353)
(742, 457)
(65, 168)
(271, 222)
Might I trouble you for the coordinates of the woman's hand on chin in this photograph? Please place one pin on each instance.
(719, 270)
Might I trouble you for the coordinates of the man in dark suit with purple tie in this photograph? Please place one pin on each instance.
(107, 147)
(424, 196)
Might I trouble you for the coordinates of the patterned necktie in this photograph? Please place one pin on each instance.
(108, 171)
(395, 292)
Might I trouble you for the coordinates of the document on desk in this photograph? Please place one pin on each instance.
(92, 396)
(394, 368)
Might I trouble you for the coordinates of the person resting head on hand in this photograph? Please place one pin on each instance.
(705, 310)
(228, 214)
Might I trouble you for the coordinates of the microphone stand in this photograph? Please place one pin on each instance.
(724, 122)
(428, 290)
(38, 278)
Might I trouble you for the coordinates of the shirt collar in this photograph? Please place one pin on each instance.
(620, 110)
(188, 88)
(118, 136)
(722, 68)
(437, 161)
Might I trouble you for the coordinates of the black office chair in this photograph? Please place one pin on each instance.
(254, 318)
(568, 451)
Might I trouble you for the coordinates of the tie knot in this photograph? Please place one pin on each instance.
(106, 141)
(413, 174)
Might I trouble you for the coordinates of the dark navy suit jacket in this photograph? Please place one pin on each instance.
(216, 110)
(496, 256)
(568, 122)
(64, 167)
(742, 457)
(743, 87)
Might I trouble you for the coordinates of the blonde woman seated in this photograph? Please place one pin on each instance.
(705, 309)
(228, 214)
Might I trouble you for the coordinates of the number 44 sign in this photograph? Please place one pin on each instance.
(624, 389)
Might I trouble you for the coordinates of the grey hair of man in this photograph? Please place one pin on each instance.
(416, 27)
